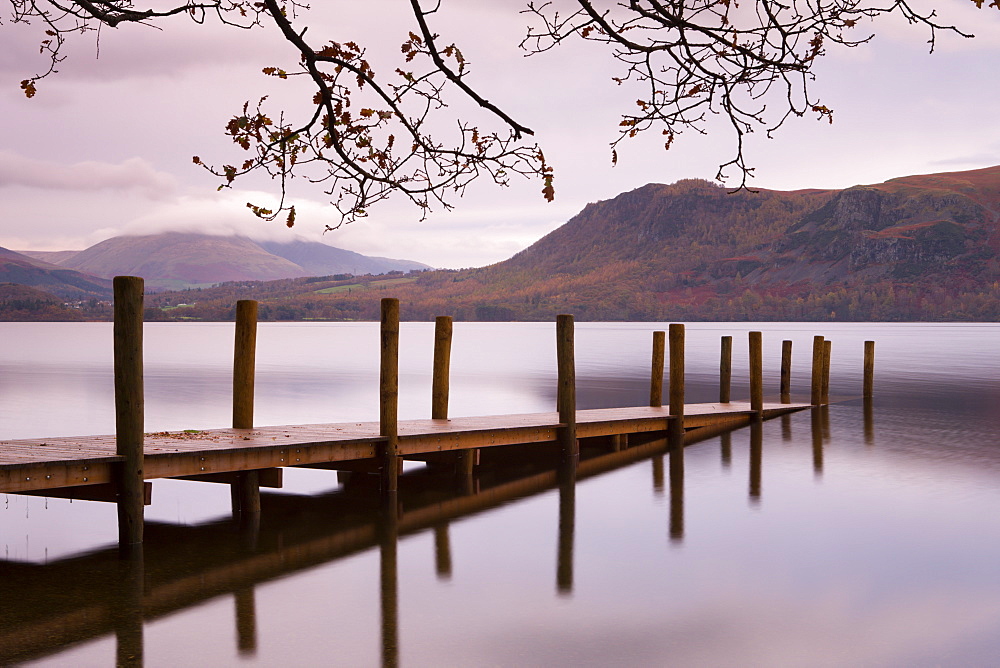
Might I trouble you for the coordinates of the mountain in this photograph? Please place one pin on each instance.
(913, 248)
(52, 257)
(176, 260)
(65, 283)
(318, 259)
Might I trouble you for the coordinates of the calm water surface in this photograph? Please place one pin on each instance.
(842, 537)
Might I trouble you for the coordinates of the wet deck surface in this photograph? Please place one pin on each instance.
(35, 464)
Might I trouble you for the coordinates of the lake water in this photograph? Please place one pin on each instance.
(836, 537)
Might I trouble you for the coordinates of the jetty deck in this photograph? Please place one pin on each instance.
(35, 465)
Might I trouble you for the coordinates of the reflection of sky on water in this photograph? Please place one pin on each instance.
(885, 557)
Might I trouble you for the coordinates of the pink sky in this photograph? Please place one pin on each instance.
(105, 147)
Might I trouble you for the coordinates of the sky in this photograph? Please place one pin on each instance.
(105, 146)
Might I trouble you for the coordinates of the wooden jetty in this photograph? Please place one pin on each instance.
(85, 597)
(118, 467)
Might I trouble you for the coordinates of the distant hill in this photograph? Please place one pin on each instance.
(53, 257)
(319, 259)
(177, 260)
(19, 302)
(66, 284)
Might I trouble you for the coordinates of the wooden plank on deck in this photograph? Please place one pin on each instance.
(35, 464)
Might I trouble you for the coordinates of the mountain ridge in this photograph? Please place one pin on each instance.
(179, 260)
(924, 247)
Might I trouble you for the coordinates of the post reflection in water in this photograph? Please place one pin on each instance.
(567, 522)
(756, 459)
(442, 552)
(658, 475)
(128, 614)
(389, 580)
(786, 427)
(726, 441)
(246, 621)
(869, 419)
(816, 424)
(677, 494)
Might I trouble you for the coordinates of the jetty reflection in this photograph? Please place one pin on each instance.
(108, 592)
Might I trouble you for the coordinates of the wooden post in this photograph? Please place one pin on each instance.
(656, 373)
(245, 491)
(677, 369)
(869, 383)
(756, 373)
(827, 346)
(725, 369)
(442, 367)
(464, 460)
(566, 390)
(129, 402)
(389, 394)
(244, 362)
(786, 372)
(677, 377)
(816, 388)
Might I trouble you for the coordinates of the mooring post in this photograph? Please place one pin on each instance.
(129, 402)
(677, 378)
(389, 394)
(725, 369)
(786, 372)
(816, 387)
(245, 491)
(656, 372)
(869, 382)
(566, 388)
(465, 460)
(442, 367)
(757, 373)
(827, 346)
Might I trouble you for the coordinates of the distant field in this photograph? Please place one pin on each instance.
(365, 286)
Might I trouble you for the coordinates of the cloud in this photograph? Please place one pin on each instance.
(134, 174)
(474, 236)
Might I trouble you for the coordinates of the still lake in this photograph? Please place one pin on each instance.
(842, 537)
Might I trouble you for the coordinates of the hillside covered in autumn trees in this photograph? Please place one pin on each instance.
(913, 248)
